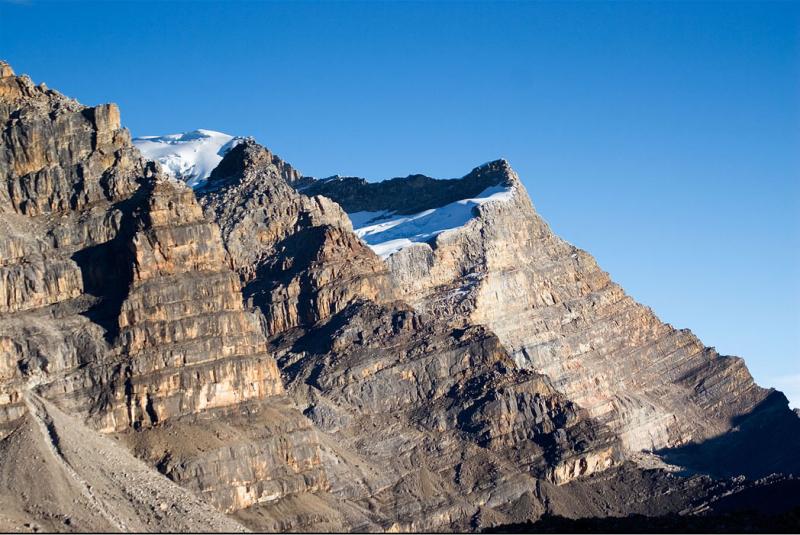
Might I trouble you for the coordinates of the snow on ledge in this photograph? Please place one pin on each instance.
(387, 233)
(190, 156)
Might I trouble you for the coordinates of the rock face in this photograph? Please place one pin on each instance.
(424, 425)
(68, 171)
(262, 362)
(408, 195)
(295, 254)
(142, 276)
(119, 301)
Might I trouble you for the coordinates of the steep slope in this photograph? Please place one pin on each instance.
(68, 173)
(557, 312)
(295, 254)
(58, 475)
(118, 296)
(424, 425)
(487, 413)
(245, 342)
(311, 276)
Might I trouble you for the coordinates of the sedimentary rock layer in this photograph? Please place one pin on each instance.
(119, 301)
(558, 313)
(295, 254)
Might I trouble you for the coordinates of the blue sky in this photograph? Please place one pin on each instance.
(664, 138)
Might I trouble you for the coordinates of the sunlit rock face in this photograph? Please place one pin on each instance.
(551, 306)
(329, 355)
(127, 258)
(423, 424)
(119, 302)
(296, 254)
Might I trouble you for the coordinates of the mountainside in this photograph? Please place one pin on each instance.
(268, 351)
(556, 312)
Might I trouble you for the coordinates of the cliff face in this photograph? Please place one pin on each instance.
(296, 255)
(351, 357)
(151, 310)
(119, 301)
(246, 343)
(440, 420)
(67, 170)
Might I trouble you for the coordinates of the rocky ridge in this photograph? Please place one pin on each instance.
(296, 255)
(558, 313)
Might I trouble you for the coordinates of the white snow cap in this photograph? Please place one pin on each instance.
(386, 232)
(190, 156)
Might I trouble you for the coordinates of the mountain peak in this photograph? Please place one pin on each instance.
(5, 69)
(439, 360)
(188, 156)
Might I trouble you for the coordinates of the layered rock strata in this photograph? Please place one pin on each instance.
(558, 313)
(246, 344)
(424, 425)
(120, 304)
(295, 253)
(67, 172)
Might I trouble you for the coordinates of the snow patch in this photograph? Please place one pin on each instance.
(387, 232)
(190, 156)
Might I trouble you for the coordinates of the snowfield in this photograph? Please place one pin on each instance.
(190, 156)
(386, 233)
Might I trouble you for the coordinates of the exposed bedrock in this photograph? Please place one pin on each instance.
(558, 313)
(422, 424)
(248, 346)
(296, 255)
(119, 303)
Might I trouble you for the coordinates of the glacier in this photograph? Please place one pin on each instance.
(189, 156)
(386, 232)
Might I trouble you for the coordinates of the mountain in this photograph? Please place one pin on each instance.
(274, 352)
(557, 312)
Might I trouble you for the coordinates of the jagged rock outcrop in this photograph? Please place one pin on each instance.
(189, 343)
(424, 425)
(407, 195)
(296, 255)
(249, 196)
(156, 323)
(67, 171)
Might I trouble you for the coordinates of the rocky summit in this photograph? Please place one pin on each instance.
(196, 337)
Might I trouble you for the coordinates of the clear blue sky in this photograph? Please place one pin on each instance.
(663, 138)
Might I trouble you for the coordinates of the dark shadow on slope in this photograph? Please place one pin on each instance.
(738, 522)
(770, 498)
(763, 441)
